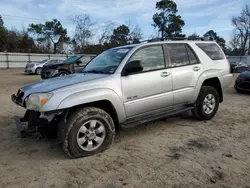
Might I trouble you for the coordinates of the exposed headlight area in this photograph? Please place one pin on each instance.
(37, 100)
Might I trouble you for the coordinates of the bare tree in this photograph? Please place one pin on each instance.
(136, 32)
(242, 30)
(84, 29)
(106, 33)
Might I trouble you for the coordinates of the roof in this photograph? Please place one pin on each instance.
(168, 40)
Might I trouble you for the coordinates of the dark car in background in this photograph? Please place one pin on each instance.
(238, 67)
(242, 83)
(73, 64)
(36, 67)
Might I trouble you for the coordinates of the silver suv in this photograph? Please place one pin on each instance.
(124, 87)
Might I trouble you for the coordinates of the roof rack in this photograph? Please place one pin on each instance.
(175, 38)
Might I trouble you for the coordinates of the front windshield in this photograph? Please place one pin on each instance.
(71, 59)
(107, 62)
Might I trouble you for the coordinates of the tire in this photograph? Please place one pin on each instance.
(206, 113)
(76, 122)
(38, 71)
(62, 73)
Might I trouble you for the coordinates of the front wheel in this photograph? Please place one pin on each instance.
(207, 103)
(88, 131)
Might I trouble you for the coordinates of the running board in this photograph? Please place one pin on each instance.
(142, 120)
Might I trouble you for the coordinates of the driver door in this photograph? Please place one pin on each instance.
(150, 89)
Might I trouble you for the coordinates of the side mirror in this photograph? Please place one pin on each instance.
(133, 67)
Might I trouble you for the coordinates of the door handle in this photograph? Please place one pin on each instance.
(196, 68)
(165, 74)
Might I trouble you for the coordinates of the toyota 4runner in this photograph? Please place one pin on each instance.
(124, 87)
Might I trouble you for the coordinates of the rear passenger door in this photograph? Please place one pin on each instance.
(186, 69)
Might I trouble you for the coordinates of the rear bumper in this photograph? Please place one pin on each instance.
(226, 80)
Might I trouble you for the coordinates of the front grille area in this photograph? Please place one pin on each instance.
(19, 96)
(244, 85)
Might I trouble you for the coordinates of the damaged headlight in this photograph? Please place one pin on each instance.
(37, 100)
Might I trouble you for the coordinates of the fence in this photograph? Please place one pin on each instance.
(233, 59)
(19, 60)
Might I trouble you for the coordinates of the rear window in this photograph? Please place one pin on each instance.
(212, 50)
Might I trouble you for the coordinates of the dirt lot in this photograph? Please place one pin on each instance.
(178, 152)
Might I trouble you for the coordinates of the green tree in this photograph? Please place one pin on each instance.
(1, 22)
(3, 36)
(50, 30)
(120, 35)
(212, 35)
(168, 23)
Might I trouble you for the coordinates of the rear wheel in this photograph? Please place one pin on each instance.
(207, 103)
(88, 131)
(38, 71)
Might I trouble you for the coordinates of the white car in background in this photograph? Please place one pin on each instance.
(36, 67)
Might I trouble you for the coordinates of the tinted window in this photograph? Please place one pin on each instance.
(152, 58)
(212, 50)
(52, 61)
(43, 61)
(178, 54)
(192, 58)
(72, 59)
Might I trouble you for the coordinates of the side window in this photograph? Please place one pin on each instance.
(212, 50)
(52, 61)
(152, 58)
(192, 57)
(178, 54)
(85, 60)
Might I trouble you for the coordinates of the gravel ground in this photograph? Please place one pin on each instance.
(177, 152)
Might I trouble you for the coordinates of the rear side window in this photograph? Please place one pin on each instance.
(212, 50)
(192, 57)
(178, 55)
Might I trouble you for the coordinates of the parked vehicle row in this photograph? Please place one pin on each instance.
(52, 67)
(36, 67)
(73, 64)
(123, 87)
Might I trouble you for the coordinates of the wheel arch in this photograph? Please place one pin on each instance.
(214, 82)
(105, 105)
(105, 99)
(64, 70)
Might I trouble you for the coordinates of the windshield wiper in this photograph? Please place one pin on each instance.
(94, 71)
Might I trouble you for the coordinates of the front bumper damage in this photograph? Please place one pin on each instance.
(37, 123)
(34, 122)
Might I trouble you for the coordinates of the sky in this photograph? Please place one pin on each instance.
(199, 15)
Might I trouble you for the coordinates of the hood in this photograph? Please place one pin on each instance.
(245, 74)
(59, 82)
